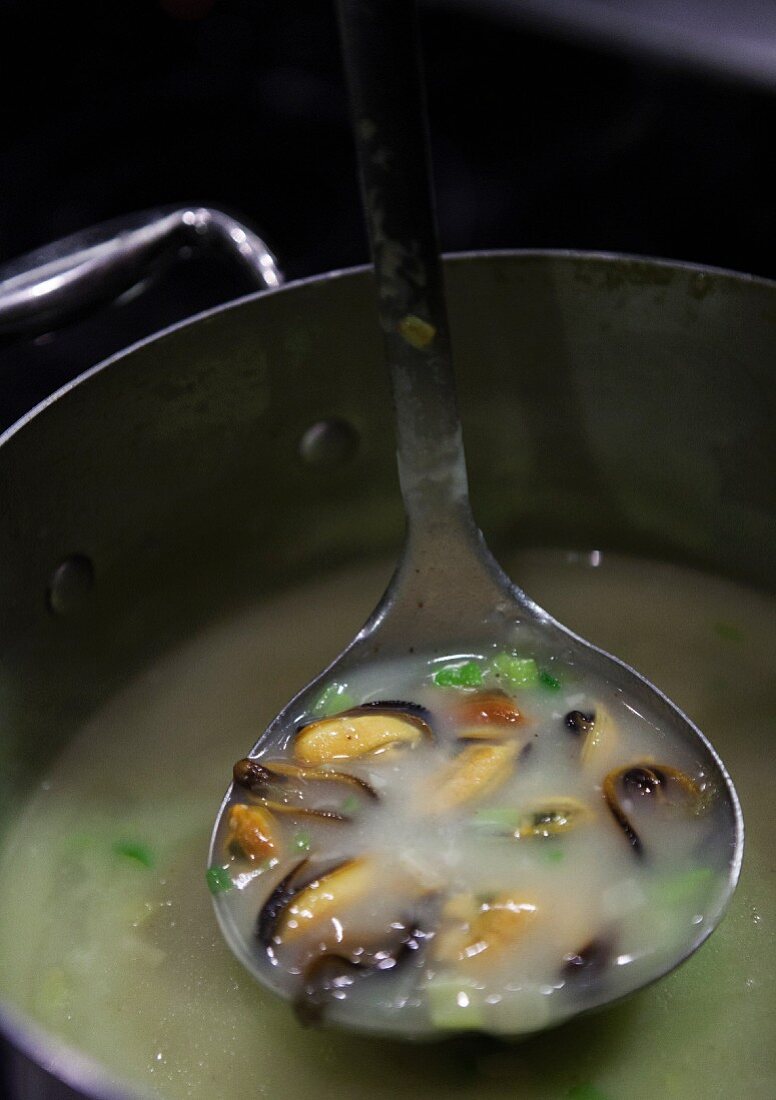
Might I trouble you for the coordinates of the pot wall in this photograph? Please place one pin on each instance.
(607, 402)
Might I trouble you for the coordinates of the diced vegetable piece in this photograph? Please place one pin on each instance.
(351, 805)
(498, 819)
(332, 700)
(681, 888)
(302, 842)
(454, 1004)
(554, 854)
(518, 671)
(134, 850)
(466, 675)
(547, 680)
(218, 879)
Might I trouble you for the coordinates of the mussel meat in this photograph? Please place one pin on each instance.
(551, 817)
(471, 927)
(486, 715)
(598, 735)
(252, 833)
(477, 770)
(291, 911)
(367, 729)
(267, 779)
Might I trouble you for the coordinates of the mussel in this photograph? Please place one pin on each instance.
(658, 783)
(478, 769)
(598, 734)
(253, 832)
(312, 917)
(548, 818)
(487, 715)
(580, 722)
(328, 977)
(331, 975)
(481, 928)
(367, 729)
(297, 907)
(287, 788)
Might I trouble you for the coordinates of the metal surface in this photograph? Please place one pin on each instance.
(448, 588)
(51, 285)
(175, 466)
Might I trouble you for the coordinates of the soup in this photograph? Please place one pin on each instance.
(485, 839)
(107, 936)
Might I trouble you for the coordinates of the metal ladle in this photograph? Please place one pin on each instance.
(448, 588)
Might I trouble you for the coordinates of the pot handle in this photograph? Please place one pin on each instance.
(60, 280)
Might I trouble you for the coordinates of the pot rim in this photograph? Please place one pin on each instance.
(571, 254)
(62, 1059)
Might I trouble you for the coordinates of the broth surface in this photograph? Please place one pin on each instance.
(107, 935)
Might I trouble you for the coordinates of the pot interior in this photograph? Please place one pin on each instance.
(608, 404)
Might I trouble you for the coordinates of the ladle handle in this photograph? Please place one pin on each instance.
(447, 575)
(388, 107)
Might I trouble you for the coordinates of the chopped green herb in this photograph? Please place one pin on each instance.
(466, 675)
(681, 888)
(554, 854)
(729, 631)
(585, 1092)
(302, 842)
(454, 1003)
(218, 879)
(546, 679)
(498, 819)
(131, 849)
(519, 671)
(351, 804)
(332, 700)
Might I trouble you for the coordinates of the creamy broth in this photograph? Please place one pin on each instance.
(482, 839)
(107, 935)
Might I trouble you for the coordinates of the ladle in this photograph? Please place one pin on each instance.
(448, 590)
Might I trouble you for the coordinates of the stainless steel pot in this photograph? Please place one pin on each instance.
(607, 401)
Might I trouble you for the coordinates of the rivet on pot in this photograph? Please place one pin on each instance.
(329, 442)
(70, 584)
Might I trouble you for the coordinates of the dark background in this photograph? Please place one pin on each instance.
(539, 140)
